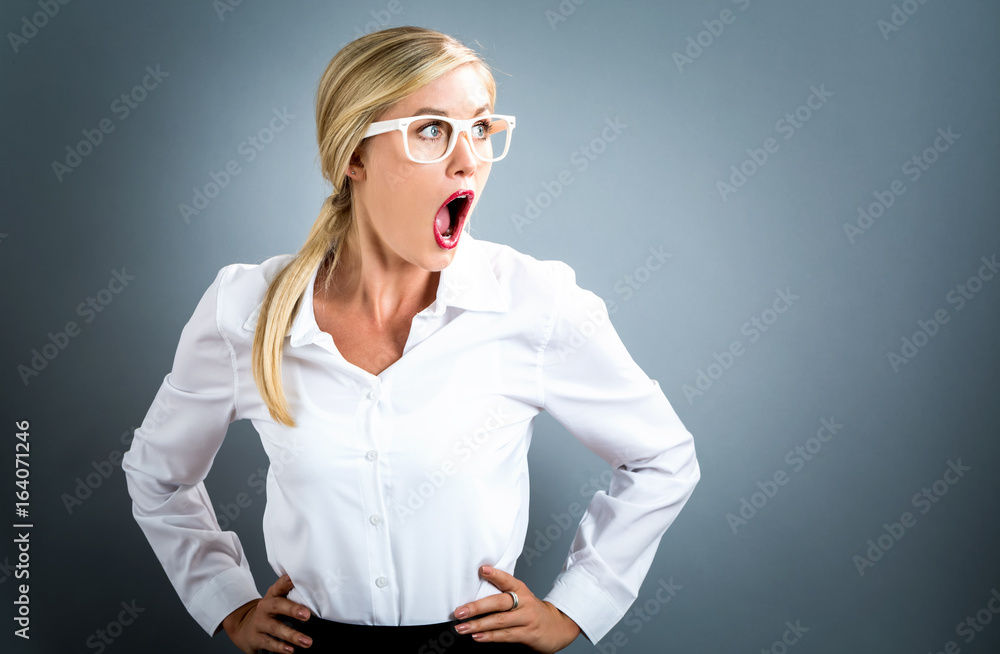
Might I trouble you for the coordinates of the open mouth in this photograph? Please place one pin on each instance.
(451, 217)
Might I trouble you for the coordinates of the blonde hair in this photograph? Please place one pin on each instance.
(360, 83)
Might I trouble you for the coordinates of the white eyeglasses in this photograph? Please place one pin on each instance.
(430, 139)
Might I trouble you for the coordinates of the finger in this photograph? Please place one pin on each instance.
(271, 644)
(278, 629)
(281, 587)
(503, 621)
(502, 580)
(517, 635)
(500, 602)
(285, 606)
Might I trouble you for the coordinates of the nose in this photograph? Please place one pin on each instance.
(463, 159)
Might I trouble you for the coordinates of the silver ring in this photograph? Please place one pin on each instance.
(514, 595)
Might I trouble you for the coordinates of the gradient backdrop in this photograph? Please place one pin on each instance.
(790, 208)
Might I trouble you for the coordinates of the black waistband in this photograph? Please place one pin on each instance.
(438, 638)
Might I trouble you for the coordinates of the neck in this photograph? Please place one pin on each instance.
(376, 285)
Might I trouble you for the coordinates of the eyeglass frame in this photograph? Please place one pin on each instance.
(458, 126)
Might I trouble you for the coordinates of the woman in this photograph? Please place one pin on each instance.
(396, 399)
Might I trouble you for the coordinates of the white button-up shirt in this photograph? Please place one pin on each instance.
(394, 488)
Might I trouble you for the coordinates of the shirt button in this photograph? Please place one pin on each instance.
(374, 395)
(381, 582)
(372, 455)
(375, 519)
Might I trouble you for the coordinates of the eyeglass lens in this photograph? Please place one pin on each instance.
(428, 138)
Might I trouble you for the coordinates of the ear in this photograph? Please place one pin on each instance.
(355, 168)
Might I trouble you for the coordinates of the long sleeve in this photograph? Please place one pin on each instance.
(594, 388)
(169, 459)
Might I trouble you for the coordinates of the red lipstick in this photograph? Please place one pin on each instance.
(450, 218)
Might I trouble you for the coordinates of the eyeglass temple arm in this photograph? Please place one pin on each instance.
(382, 127)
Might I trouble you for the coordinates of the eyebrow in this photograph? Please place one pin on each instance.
(440, 112)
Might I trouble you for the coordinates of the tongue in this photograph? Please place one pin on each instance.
(442, 221)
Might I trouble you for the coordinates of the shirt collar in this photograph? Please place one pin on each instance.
(468, 283)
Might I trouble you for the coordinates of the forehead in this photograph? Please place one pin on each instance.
(459, 93)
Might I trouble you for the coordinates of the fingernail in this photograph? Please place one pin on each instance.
(461, 613)
(289, 649)
(487, 570)
(303, 614)
(462, 628)
(305, 640)
(477, 636)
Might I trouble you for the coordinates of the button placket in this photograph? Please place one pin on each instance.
(373, 426)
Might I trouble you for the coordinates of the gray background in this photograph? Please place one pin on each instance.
(654, 185)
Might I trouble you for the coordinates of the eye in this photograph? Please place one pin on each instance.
(481, 129)
(430, 131)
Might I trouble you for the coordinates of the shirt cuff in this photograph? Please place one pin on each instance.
(583, 600)
(221, 596)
